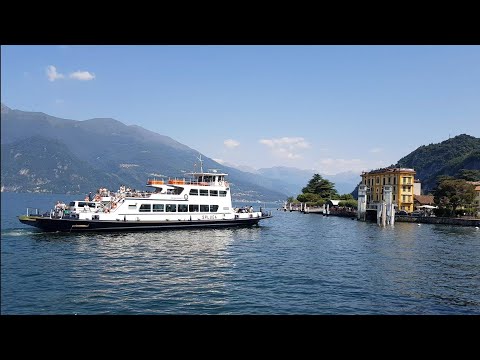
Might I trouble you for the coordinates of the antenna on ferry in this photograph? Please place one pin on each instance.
(201, 163)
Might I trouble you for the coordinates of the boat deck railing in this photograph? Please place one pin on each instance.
(186, 182)
(33, 211)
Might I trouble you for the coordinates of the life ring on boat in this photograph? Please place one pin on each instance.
(185, 197)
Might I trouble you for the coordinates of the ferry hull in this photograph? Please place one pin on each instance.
(75, 225)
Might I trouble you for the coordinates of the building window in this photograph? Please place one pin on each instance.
(384, 181)
(378, 179)
(393, 197)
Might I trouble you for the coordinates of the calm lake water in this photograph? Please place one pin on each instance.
(290, 264)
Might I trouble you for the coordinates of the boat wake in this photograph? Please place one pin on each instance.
(18, 232)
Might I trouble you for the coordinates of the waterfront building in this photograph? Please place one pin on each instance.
(476, 201)
(401, 180)
(422, 200)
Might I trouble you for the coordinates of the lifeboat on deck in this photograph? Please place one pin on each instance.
(155, 182)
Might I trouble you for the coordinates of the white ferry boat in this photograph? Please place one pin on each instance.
(204, 201)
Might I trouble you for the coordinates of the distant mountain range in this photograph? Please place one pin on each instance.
(43, 153)
(291, 180)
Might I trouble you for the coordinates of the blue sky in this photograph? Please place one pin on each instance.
(326, 108)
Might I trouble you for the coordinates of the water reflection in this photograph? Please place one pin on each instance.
(153, 269)
(291, 264)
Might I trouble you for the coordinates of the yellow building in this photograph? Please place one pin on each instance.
(401, 179)
(476, 201)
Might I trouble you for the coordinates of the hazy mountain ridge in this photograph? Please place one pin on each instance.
(124, 154)
(39, 164)
(113, 153)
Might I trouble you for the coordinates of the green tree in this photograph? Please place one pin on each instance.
(320, 186)
(291, 199)
(452, 193)
(347, 197)
(352, 203)
(469, 175)
(309, 198)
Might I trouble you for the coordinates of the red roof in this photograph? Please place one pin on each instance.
(424, 199)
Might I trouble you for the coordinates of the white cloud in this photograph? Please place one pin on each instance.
(376, 150)
(82, 75)
(52, 74)
(286, 147)
(220, 161)
(231, 144)
(334, 166)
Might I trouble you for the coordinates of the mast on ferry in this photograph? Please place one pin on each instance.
(201, 165)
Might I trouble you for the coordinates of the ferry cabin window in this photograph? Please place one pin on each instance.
(71, 203)
(178, 190)
(223, 193)
(193, 191)
(213, 192)
(193, 208)
(158, 208)
(145, 208)
(132, 207)
(203, 192)
(83, 203)
(213, 208)
(204, 208)
(171, 208)
(182, 208)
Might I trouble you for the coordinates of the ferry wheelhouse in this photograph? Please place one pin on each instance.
(202, 201)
